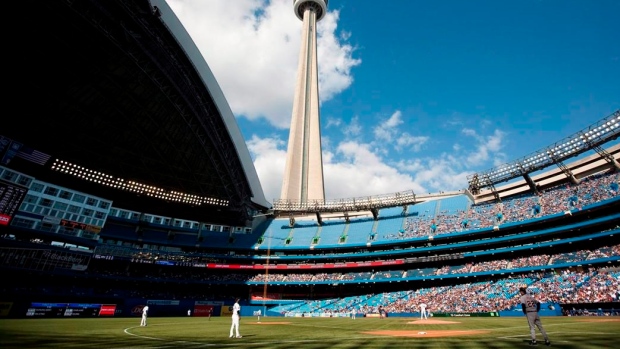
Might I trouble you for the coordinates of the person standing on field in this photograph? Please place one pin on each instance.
(531, 307)
(423, 313)
(236, 312)
(145, 311)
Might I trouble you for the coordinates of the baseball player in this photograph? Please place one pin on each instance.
(145, 312)
(531, 307)
(423, 312)
(236, 312)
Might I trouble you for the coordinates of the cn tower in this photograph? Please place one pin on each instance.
(303, 176)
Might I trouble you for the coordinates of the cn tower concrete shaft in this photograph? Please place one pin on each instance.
(303, 176)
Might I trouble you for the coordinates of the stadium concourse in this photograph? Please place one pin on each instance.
(146, 195)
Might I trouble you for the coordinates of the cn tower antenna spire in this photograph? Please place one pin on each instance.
(303, 176)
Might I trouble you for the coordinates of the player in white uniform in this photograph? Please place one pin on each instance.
(423, 313)
(531, 307)
(145, 311)
(236, 310)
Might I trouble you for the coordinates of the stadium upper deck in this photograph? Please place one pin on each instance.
(124, 107)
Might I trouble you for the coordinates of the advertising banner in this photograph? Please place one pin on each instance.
(5, 308)
(107, 310)
(203, 310)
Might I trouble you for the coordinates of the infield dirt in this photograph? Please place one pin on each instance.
(426, 334)
(432, 322)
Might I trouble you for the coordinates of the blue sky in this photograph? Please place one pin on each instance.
(415, 95)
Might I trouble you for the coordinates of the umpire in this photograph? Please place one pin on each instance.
(531, 307)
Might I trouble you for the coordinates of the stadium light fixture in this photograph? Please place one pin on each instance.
(136, 187)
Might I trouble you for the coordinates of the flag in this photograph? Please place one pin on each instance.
(12, 149)
(33, 155)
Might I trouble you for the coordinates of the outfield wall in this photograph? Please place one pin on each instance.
(206, 308)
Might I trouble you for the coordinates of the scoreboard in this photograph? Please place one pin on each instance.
(11, 196)
(70, 310)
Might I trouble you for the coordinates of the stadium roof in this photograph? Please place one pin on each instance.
(119, 88)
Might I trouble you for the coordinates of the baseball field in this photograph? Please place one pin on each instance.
(333, 333)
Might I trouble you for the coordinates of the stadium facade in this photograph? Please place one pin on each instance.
(137, 188)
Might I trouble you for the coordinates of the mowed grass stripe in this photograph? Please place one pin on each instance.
(314, 333)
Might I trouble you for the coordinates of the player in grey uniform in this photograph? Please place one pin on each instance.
(531, 307)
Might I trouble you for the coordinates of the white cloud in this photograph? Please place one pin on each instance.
(354, 169)
(359, 172)
(485, 147)
(394, 120)
(389, 132)
(252, 47)
(363, 173)
(353, 128)
(386, 130)
(333, 122)
(335, 57)
(494, 141)
(405, 141)
(469, 132)
(445, 173)
(269, 156)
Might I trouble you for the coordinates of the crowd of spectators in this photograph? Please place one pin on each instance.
(558, 199)
(595, 285)
(500, 265)
(595, 312)
(561, 198)
(565, 286)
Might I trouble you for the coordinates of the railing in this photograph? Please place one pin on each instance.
(345, 205)
(592, 137)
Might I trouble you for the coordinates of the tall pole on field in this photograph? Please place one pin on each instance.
(266, 274)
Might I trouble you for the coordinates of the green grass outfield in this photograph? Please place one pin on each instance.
(280, 332)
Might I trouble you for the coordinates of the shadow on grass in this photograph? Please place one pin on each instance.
(51, 340)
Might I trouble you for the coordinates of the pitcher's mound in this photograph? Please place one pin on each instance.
(426, 334)
(432, 322)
